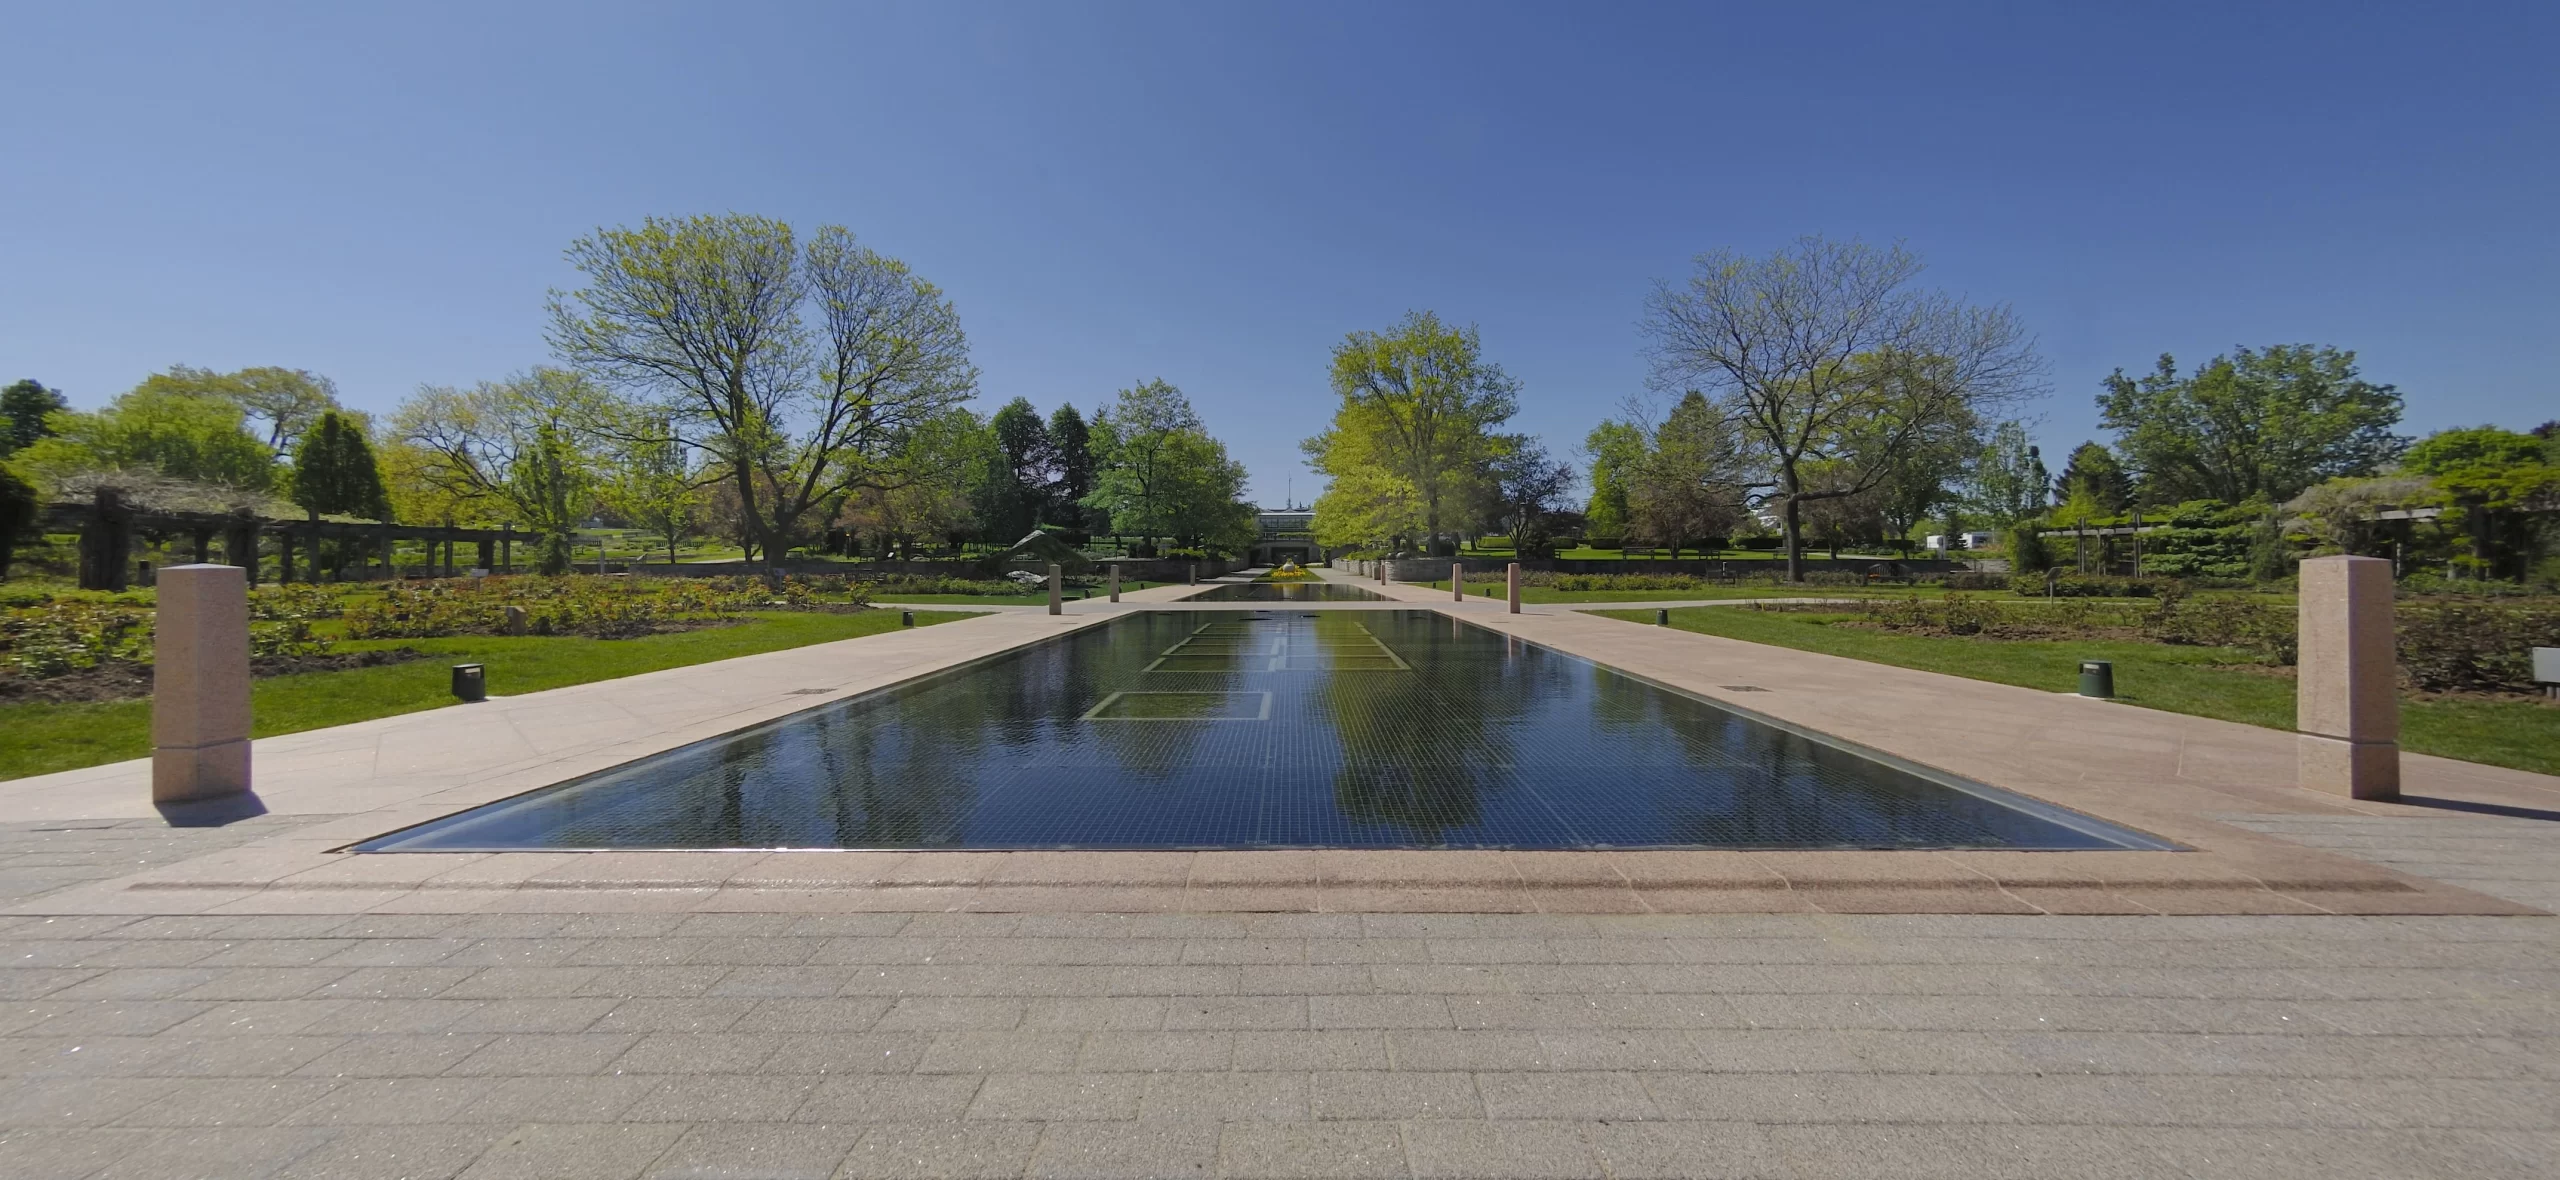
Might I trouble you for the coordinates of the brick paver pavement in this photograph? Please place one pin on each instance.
(941, 1044)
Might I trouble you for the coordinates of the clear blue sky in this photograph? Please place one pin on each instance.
(1216, 193)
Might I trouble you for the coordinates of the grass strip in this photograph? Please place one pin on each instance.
(2200, 681)
(46, 737)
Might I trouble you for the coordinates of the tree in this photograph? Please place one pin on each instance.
(2009, 479)
(1136, 443)
(283, 403)
(334, 473)
(1615, 449)
(2264, 424)
(528, 449)
(18, 504)
(801, 367)
(2093, 470)
(653, 484)
(1433, 400)
(1072, 467)
(23, 406)
(1527, 485)
(197, 439)
(1689, 484)
(2495, 477)
(1016, 492)
(1823, 353)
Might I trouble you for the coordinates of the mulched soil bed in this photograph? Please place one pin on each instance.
(120, 680)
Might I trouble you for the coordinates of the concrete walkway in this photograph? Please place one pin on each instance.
(548, 1015)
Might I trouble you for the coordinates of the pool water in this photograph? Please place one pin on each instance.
(1268, 729)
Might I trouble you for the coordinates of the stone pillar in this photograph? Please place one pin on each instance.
(200, 684)
(2348, 703)
(1195, 574)
(1057, 590)
(1115, 581)
(1515, 587)
(284, 557)
(1458, 581)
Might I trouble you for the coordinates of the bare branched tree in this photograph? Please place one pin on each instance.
(1824, 354)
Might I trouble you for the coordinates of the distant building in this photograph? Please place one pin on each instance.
(1938, 541)
(1286, 534)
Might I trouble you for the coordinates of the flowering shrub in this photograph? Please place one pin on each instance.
(599, 607)
(63, 637)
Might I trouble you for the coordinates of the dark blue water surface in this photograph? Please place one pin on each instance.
(1267, 729)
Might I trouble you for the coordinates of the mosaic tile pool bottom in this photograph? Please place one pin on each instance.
(1266, 729)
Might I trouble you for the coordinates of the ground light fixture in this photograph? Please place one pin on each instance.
(470, 682)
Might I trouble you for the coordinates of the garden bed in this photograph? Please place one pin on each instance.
(124, 680)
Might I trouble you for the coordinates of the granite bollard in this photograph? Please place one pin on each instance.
(1458, 582)
(200, 684)
(2348, 700)
(1514, 579)
(1057, 590)
(1115, 581)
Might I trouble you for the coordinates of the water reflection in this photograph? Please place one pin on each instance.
(1253, 729)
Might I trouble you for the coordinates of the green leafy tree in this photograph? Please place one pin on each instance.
(23, 406)
(1432, 401)
(198, 439)
(1689, 484)
(334, 473)
(2498, 480)
(1828, 358)
(652, 483)
(280, 403)
(2009, 478)
(1138, 443)
(2257, 423)
(1615, 448)
(529, 450)
(18, 504)
(2093, 469)
(799, 368)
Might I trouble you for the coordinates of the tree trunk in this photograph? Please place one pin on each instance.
(1794, 525)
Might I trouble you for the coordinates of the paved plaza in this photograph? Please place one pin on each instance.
(2323, 988)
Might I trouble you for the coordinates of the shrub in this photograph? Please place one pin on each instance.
(2455, 646)
(63, 637)
(2261, 627)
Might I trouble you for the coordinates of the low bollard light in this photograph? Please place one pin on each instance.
(1662, 618)
(470, 682)
(2097, 678)
(906, 618)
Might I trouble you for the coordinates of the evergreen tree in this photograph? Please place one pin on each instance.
(1018, 485)
(22, 410)
(2094, 469)
(334, 472)
(1071, 460)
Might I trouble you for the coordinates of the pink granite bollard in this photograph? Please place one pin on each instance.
(1458, 582)
(2348, 703)
(1057, 590)
(200, 684)
(1115, 581)
(1515, 587)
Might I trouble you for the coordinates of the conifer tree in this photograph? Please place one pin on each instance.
(334, 472)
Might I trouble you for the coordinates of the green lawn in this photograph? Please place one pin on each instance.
(49, 737)
(2521, 734)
